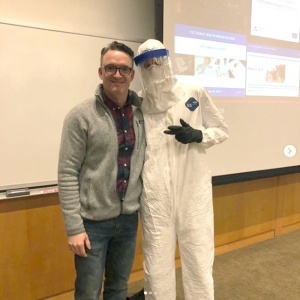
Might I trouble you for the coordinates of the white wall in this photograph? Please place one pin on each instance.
(49, 57)
(127, 20)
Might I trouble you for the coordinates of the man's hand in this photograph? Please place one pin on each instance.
(77, 244)
(185, 134)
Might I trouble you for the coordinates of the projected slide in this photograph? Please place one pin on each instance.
(228, 66)
(272, 71)
(276, 19)
(214, 59)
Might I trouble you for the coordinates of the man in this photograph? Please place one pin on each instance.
(100, 161)
(181, 122)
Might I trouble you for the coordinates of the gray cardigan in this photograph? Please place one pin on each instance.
(87, 168)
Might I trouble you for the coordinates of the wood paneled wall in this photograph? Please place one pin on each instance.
(35, 262)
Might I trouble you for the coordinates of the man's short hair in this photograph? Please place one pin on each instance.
(119, 47)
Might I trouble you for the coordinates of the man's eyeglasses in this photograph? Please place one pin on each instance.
(112, 70)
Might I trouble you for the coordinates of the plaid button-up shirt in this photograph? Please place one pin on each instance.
(123, 117)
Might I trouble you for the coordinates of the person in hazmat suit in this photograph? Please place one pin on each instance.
(181, 122)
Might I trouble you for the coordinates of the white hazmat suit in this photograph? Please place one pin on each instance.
(176, 204)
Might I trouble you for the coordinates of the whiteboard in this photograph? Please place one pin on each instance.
(43, 74)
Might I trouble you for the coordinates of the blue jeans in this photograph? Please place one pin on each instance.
(113, 248)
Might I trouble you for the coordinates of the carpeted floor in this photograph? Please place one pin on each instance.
(268, 270)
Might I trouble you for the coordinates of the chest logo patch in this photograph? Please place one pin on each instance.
(192, 104)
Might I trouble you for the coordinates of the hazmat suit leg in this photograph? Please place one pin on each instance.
(196, 246)
(195, 232)
(159, 244)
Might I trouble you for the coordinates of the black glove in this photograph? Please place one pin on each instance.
(185, 134)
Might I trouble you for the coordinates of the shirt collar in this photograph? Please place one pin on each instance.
(111, 104)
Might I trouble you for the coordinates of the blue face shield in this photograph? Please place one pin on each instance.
(154, 68)
(152, 57)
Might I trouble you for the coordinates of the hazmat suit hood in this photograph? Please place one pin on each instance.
(160, 91)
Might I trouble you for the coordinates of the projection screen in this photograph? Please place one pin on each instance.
(247, 55)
